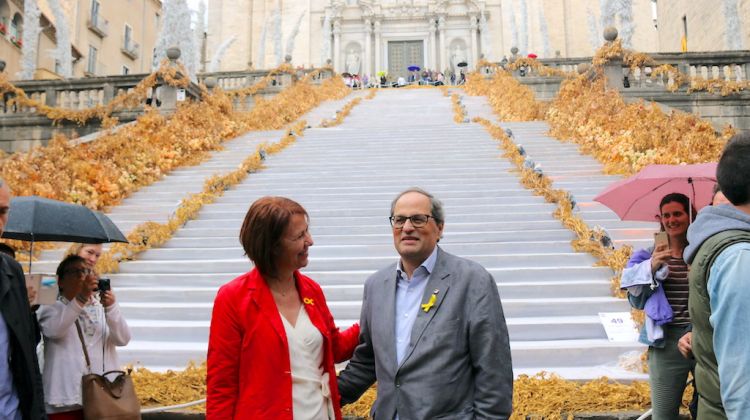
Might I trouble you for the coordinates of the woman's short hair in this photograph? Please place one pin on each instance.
(66, 263)
(263, 228)
(678, 198)
(733, 171)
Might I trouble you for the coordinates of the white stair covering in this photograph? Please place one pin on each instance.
(346, 177)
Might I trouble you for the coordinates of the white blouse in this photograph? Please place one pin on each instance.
(311, 396)
(64, 363)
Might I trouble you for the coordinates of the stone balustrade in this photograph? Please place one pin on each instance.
(78, 94)
(22, 127)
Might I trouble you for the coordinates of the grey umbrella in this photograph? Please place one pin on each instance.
(35, 218)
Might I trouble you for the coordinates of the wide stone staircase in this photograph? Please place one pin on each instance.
(346, 177)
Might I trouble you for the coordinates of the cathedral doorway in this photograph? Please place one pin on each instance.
(401, 55)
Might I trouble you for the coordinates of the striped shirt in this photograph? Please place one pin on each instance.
(676, 288)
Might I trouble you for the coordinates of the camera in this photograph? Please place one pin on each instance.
(104, 285)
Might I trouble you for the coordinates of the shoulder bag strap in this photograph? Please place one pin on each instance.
(83, 345)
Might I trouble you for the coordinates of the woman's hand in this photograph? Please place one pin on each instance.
(659, 257)
(31, 292)
(107, 298)
(89, 283)
(685, 345)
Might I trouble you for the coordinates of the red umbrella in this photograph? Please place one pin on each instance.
(532, 55)
(637, 198)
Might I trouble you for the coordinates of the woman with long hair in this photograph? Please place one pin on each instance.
(656, 279)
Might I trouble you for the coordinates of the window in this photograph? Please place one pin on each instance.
(125, 70)
(91, 65)
(128, 39)
(16, 26)
(94, 11)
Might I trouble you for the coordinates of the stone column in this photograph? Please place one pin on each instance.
(367, 62)
(443, 48)
(473, 41)
(433, 45)
(337, 46)
(378, 47)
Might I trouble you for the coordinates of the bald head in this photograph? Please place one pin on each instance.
(4, 204)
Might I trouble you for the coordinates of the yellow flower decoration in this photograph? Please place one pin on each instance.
(308, 301)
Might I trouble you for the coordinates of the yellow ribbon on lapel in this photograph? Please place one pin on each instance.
(430, 303)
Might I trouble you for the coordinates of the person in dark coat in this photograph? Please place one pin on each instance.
(21, 394)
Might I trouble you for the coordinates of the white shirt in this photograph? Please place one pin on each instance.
(310, 389)
(64, 362)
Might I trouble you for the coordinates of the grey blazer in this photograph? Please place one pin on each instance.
(458, 365)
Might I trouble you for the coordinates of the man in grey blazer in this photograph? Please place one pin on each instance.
(433, 334)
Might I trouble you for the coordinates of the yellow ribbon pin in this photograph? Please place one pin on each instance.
(308, 301)
(430, 303)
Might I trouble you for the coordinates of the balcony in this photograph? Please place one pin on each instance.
(131, 49)
(98, 25)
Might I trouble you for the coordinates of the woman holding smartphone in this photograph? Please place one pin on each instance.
(656, 279)
(82, 316)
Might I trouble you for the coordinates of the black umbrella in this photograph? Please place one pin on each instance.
(462, 64)
(35, 218)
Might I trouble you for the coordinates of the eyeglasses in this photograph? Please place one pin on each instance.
(80, 271)
(418, 220)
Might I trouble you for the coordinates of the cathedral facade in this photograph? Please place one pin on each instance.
(370, 36)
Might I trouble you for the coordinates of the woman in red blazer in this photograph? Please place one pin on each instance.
(273, 342)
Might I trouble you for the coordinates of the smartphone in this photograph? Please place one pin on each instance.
(104, 285)
(661, 238)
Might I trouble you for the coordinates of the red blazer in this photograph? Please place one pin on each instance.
(249, 373)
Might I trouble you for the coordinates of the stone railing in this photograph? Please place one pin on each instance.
(77, 94)
(238, 80)
(721, 65)
(23, 127)
(638, 84)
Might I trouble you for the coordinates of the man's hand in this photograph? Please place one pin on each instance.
(685, 345)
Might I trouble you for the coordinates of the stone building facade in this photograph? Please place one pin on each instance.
(703, 25)
(108, 37)
(376, 35)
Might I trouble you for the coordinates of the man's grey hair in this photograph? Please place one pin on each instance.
(436, 207)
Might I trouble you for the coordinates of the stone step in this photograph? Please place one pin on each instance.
(350, 309)
(584, 353)
(519, 329)
(527, 275)
(359, 251)
(508, 289)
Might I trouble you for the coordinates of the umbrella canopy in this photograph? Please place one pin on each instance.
(532, 55)
(413, 68)
(637, 198)
(35, 218)
(346, 74)
(381, 73)
(462, 64)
